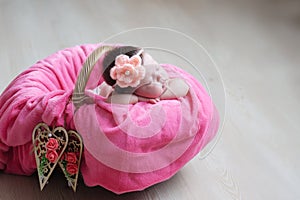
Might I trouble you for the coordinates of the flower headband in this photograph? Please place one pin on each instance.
(128, 71)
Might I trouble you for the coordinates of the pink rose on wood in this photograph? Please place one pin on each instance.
(128, 71)
(52, 144)
(71, 157)
(52, 156)
(72, 168)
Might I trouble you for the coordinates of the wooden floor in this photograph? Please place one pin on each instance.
(256, 46)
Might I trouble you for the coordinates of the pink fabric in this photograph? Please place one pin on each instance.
(127, 147)
(41, 93)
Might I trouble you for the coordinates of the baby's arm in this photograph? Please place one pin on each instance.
(129, 99)
(122, 98)
(111, 96)
(176, 88)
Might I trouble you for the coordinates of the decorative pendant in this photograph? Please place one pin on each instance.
(70, 161)
(57, 146)
(49, 146)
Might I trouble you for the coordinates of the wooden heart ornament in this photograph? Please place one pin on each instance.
(49, 146)
(70, 161)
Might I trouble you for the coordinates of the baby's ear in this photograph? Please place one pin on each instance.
(148, 60)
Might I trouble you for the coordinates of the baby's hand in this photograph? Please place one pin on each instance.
(150, 100)
(156, 100)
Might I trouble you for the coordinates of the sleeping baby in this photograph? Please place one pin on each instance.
(132, 75)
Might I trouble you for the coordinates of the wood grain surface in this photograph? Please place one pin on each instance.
(256, 45)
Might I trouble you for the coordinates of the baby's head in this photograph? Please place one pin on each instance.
(149, 77)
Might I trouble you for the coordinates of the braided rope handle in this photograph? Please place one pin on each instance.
(79, 90)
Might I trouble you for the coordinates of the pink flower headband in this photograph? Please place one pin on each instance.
(128, 71)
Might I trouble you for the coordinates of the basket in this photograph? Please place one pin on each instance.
(122, 152)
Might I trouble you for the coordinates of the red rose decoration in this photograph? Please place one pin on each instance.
(71, 157)
(52, 156)
(72, 168)
(52, 144)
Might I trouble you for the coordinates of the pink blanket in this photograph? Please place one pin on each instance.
(127, 147)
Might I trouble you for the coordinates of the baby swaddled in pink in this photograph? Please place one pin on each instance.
(145, 123)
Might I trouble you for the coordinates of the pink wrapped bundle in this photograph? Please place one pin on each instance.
(126, 147)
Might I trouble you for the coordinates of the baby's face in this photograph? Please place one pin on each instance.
(152, 86)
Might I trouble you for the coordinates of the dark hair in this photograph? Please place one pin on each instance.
(109, 60)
